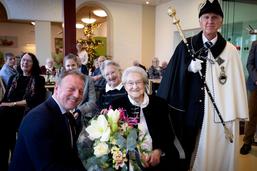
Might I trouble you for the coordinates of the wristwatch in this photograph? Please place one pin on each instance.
(14, 104)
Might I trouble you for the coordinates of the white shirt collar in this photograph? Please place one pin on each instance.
(109, 88)
(214, 40)
(143, 105)
(61, 108)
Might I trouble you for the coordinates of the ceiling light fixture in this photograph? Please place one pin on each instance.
(100, 13)
(79, 26)
(147, 2)
(88, 20)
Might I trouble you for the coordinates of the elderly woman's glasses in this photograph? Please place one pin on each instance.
(137, 83)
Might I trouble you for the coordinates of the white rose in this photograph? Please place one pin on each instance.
(101, 149)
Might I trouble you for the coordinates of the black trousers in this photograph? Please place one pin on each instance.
(10, 118)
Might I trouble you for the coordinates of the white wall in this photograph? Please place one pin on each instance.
(187, 12)
(43, 40)
(126, 27)
(44, 10)
(25, 34)
(127, 30)
(26, 42)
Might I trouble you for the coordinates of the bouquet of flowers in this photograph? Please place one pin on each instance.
(115, 142)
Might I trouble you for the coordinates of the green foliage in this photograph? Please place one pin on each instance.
(58, 59)
(132, 140)
(90, 44)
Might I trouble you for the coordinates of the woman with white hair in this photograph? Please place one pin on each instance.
(153, 121)
(114, 88)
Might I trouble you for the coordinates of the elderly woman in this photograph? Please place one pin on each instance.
(48, 68)
(25, 90)
(87, 105)
(154, 71)
(153, 123)
(114, 88)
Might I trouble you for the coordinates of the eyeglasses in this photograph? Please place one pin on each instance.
(137, 83)
(26, 60)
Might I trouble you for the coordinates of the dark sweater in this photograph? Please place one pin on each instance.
(106, 98)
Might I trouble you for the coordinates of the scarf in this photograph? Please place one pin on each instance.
(30, 90)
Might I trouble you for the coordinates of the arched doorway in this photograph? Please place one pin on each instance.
(103, 26)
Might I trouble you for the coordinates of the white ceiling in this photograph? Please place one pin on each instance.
(142, 2)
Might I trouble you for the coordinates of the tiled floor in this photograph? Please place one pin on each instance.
(248, 162)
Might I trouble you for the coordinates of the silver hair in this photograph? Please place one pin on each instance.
(135, 69)
(107, 63)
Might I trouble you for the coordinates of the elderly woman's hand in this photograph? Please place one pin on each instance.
(153, 159)
(104, 111)
(145, 160)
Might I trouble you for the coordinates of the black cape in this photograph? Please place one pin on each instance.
(174, 81)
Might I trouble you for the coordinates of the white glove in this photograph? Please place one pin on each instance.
(195, 65)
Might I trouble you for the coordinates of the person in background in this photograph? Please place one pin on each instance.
(196, 121)
(250, 128)
(83, 56)
(136, 63)
(114, 88)
(17, 61)
(48, 68)
(153, 120)
(98, 77)
(47, 135)
(8, 69)
(25, 91)
(154, 72)
(96, 65)
(82, 68)
(2, 89)
(84, 110)
(163, 67)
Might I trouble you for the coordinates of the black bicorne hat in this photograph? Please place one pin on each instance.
(210, 7)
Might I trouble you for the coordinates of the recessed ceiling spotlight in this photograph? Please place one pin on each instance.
(147, 2)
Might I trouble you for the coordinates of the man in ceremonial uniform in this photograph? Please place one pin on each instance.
(197, 123)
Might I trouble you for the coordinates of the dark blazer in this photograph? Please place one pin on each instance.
(44, 142)
(252, 67)
(156, 116)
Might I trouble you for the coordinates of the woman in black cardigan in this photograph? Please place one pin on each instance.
(154, 122)
(25, 90)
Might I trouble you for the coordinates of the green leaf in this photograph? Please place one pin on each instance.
(120, 140)
(132, 140)
(91, 162)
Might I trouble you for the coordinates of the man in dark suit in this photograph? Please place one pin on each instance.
(252, 100)
(47, 136)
